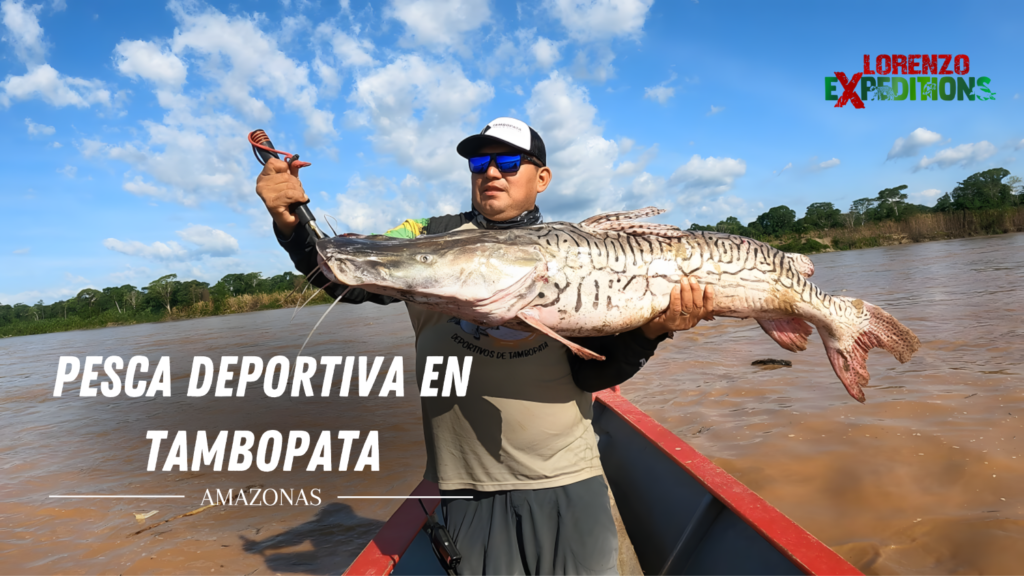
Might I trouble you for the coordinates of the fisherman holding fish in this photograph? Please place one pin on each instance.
(519, 446)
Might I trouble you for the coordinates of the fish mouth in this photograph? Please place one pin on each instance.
(325, 268)
(349, 269)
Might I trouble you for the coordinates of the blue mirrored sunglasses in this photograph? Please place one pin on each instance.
(506, 163)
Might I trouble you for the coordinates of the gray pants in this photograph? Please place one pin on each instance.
(564, 530)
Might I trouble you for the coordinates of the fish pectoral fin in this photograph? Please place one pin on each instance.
(790, 333)
(531, 317)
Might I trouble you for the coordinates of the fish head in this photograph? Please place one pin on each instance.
(469, 266)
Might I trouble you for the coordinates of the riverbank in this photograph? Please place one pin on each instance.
(917, 228)
(201, 309)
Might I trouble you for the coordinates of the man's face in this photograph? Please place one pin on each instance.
(502, 197)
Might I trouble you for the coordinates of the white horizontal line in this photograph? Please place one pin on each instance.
(403, 497)
(113, 496)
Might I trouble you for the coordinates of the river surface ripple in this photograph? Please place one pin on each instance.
(924, 478)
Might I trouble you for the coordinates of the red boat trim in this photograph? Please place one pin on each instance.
(383, 552)
(804, 550)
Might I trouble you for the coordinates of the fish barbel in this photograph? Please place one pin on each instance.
(610, 274)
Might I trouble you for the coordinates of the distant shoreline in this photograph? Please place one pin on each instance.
(917, 228)
(233, 305)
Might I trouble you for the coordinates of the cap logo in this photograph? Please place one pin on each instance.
(501, 124)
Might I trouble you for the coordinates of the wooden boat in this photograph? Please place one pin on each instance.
(683, 514)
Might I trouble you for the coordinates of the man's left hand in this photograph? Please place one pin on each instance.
(689, 304)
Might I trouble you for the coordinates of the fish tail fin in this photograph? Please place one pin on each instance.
(882, 331)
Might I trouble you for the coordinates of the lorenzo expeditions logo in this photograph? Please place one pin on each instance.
(930, 77)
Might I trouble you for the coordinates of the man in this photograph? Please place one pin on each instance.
(519, 445)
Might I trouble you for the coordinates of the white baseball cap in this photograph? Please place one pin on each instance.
(509, 131)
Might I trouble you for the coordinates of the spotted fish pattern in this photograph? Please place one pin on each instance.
(610, 274)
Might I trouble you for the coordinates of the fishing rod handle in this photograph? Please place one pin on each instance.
(299, 209)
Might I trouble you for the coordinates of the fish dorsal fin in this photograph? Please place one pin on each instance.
(608, 217)
(645, 229)
(622, 222)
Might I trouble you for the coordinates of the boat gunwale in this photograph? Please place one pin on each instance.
(383, 552)
(798, 545)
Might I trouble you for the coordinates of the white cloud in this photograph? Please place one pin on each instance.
(439, 23)
(37, 129)
(225, 175)
(827, 164)
(1019, 145)
(521, 53)
(240, 57)
(244, 65)
(41, 80)
(659, 93)
(714, 110)
(419, 110)
(646, 189)
(371, 205)
(21, 251)
(713, 175)
(629, 168)
(155, 251)
(68, 171)
(962, 155)
(588, 20)
(349, 50)
(140, 188)
(912, 144)
(59, 5)
(54, 88)
(330, 82)
(290, 26)
(513, 51)
(929, 194)
(24, 32)
(546, 51)
(147, 60)
(578, 155)
(208, 242)
(717, 208)
(55, 145)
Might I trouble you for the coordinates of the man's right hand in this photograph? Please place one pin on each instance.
(279, 189)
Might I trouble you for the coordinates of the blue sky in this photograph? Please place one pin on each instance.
(125, 122)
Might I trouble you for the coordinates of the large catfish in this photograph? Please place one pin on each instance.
(609, 274)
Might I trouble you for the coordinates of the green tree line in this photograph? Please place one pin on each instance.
(985, 190)
(129, 304)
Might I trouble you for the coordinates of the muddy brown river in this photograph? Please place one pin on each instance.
(927, 477)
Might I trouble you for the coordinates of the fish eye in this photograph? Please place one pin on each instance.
(424, 258)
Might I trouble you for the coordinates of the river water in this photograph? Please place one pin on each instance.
(924, 478)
